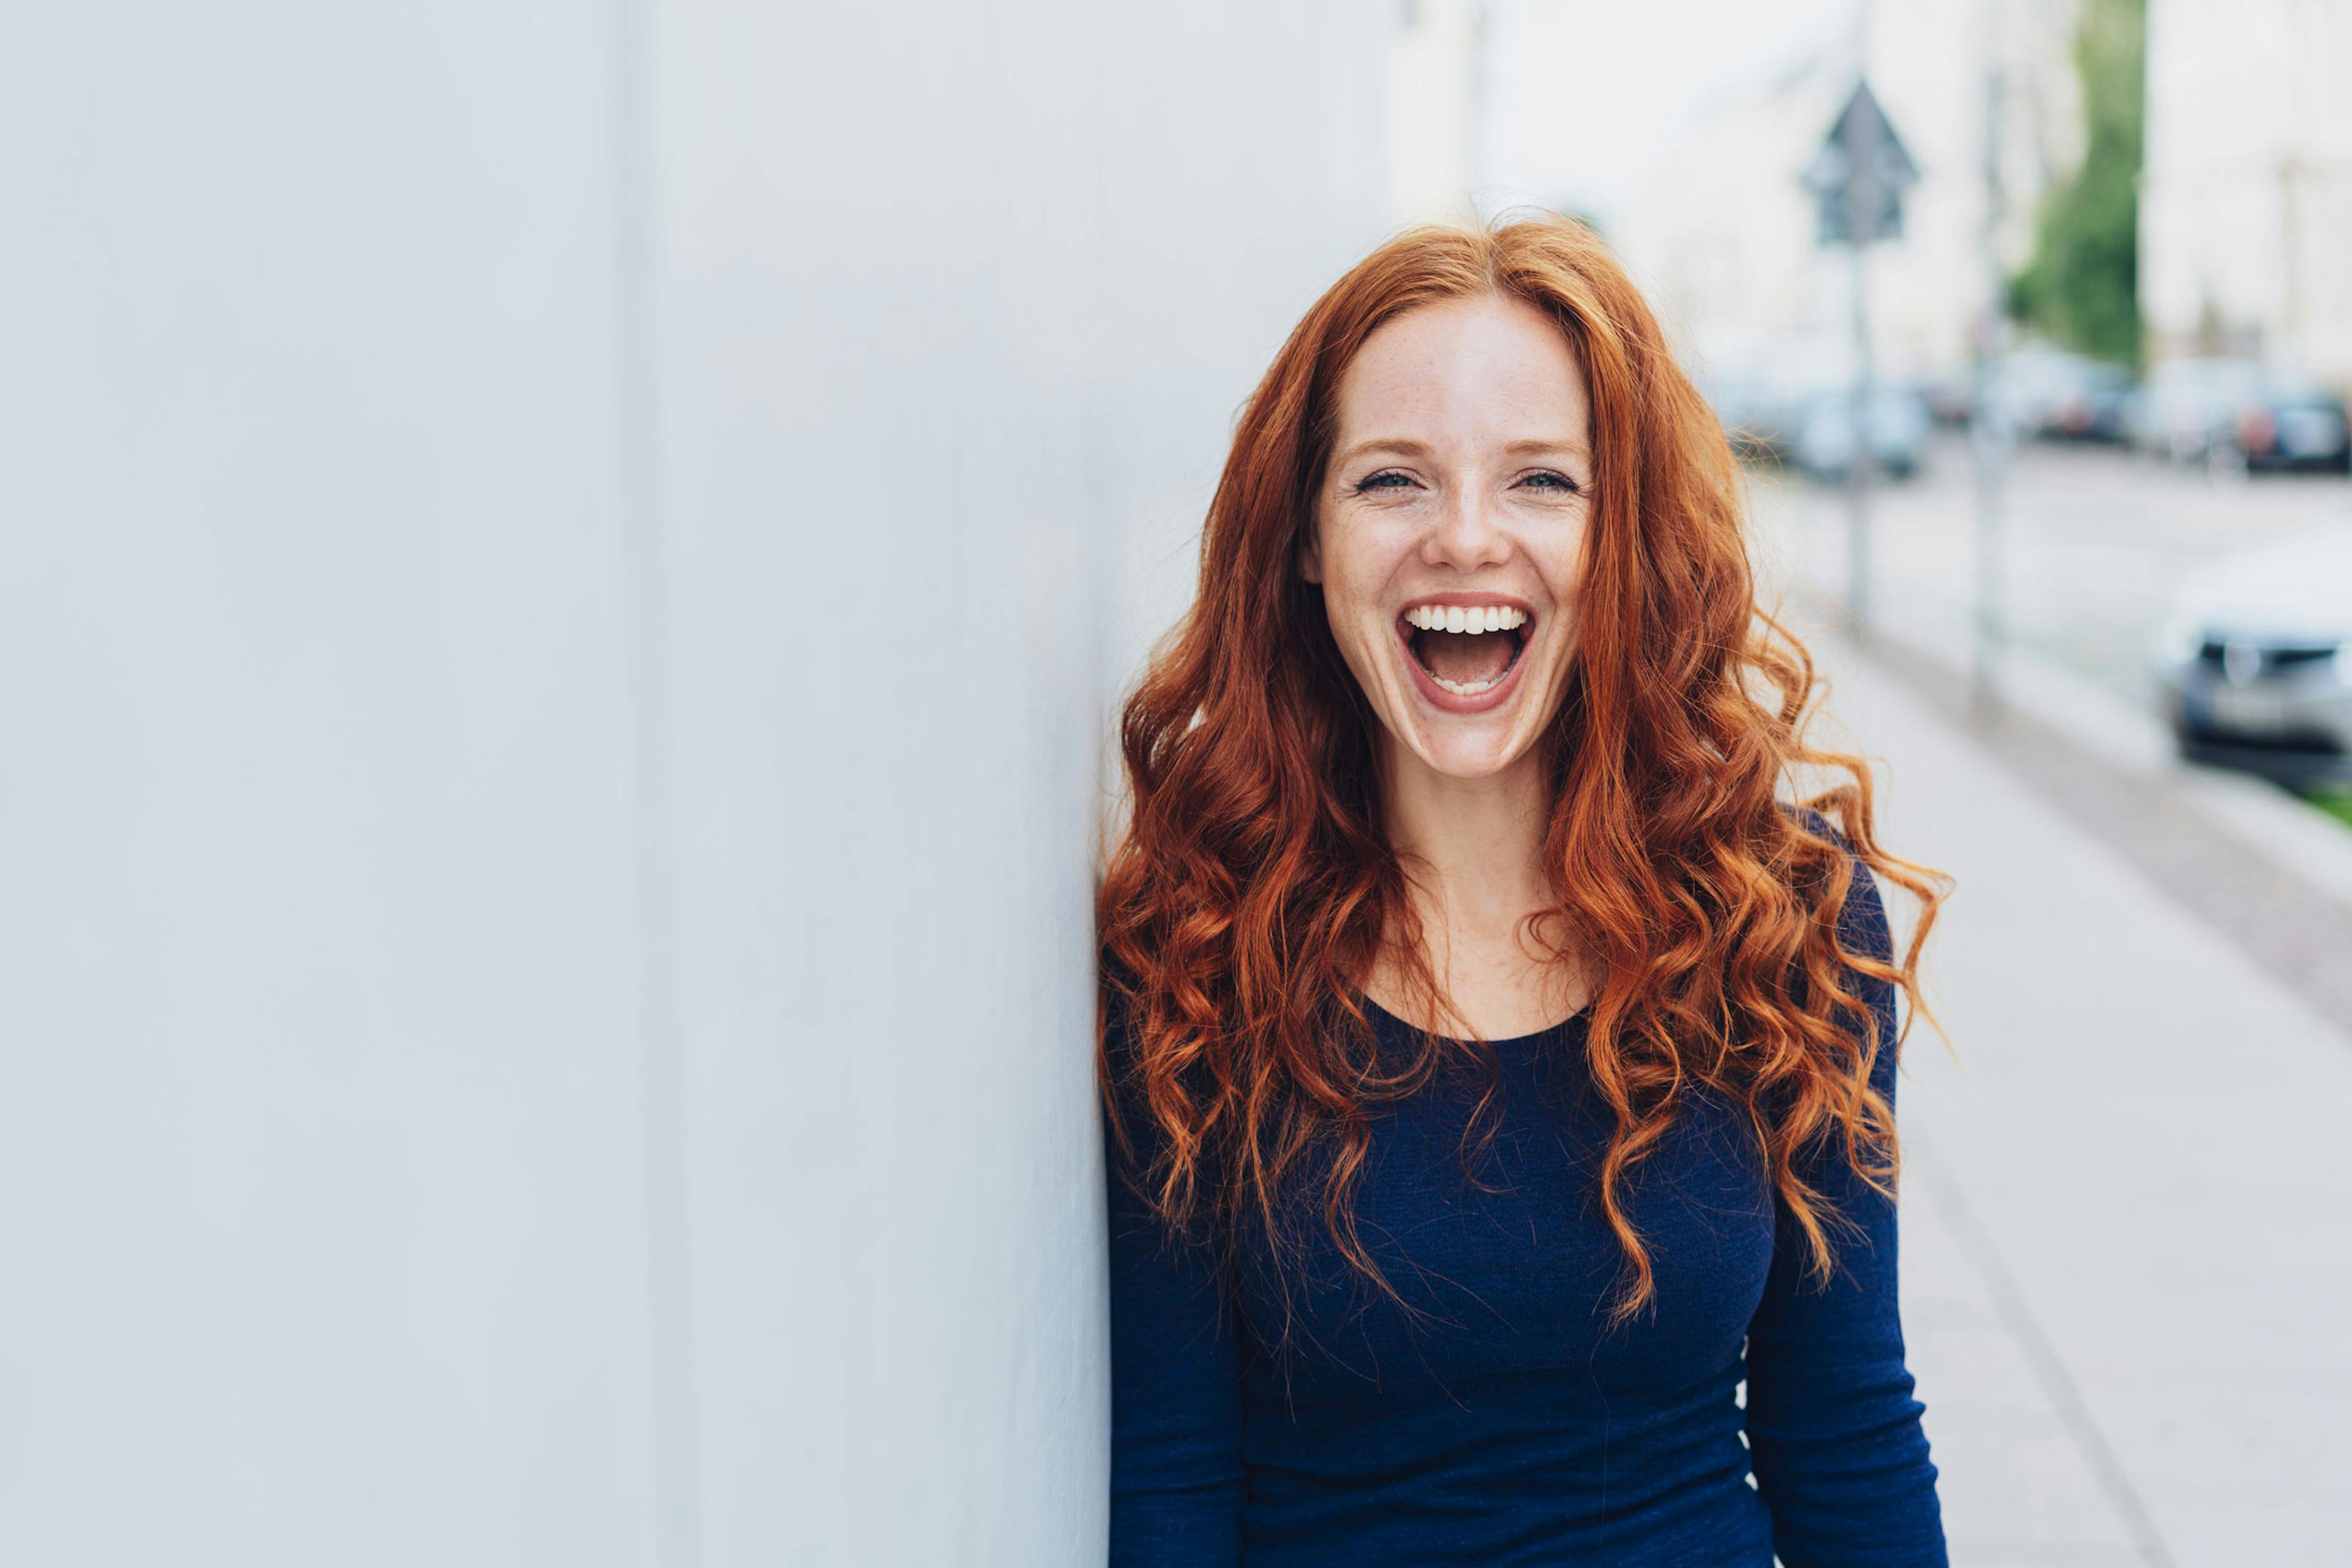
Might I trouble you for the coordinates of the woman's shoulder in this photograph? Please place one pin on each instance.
(1862, 926)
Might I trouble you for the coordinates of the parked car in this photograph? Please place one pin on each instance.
(2256, 666)
(2186, 403)
(2056, 395)
(2289, 422)
(2092, 408)
(1824, 443)
(1952, 396)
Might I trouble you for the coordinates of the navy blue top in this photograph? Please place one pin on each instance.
(1504, 1427)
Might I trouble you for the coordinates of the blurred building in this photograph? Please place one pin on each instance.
(1724, 240)
(1436, 109)
(2245, 218)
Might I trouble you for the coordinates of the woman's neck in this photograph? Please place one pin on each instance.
(1473, 856)
(1473, 847)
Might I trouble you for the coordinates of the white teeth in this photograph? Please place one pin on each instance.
(1455, 618)
(1473, 618)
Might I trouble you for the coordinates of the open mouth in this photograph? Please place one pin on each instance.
(1466, 650)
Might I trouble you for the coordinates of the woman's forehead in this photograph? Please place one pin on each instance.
(1490, 368)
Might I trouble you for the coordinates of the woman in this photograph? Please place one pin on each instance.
(1499, 1072)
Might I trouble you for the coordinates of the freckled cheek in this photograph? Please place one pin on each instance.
(1356, 588)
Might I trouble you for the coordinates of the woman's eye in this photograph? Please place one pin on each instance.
(1386, 480)
(1544, 480)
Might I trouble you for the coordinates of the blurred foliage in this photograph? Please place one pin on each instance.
(2338, 801)
(2082, 287)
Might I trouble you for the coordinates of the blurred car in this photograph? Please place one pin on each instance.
(1952, 396)
(2091, 407)
(2056, 395)
(2187, 403)
(2289, 422)
(2256, 666)
(1824, 443)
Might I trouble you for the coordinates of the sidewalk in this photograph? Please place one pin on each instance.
(2064, 590)
(2127, 1260)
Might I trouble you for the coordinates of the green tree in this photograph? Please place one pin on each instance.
(2082, 287)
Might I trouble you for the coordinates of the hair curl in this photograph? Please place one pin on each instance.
(1244, 904)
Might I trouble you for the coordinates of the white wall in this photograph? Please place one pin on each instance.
(911, 400)
(559, 571)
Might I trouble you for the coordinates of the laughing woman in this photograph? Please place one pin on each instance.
(1498, 1053)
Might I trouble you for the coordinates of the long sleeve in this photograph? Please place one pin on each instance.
(1176, 1481)
(1834, 1431)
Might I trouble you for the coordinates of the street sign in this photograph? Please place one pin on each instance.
(1860, 175)
(1858, 178)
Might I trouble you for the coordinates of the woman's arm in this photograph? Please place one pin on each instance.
(1175, 1457)
(1833, 1428)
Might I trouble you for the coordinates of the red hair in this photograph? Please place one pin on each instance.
(1244, 904)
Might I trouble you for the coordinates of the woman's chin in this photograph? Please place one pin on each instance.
(1469, 747)
(1432, 726)
(1465, 749)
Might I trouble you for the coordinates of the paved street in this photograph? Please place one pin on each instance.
(2125, 1260)
(2098, 541)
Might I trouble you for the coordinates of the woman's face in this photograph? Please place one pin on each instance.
(1449, 533)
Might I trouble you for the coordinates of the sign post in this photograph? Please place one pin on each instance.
(1858, 179)
(1989, 431)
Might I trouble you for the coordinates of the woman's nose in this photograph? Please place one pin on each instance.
(1465, 535)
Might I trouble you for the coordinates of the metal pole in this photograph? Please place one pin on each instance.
(1988, 427)
(1861, 220)
(1857, 593)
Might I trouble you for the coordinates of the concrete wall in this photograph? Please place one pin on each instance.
(560, 570)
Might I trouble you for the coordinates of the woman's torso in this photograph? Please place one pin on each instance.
(1506, 1424)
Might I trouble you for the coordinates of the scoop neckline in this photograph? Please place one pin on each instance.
(1547, 1032)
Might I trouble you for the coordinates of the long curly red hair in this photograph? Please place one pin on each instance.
(1253, 885)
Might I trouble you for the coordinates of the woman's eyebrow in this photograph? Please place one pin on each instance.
(1535, 447)
(1397, 444)
(1405, 448)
